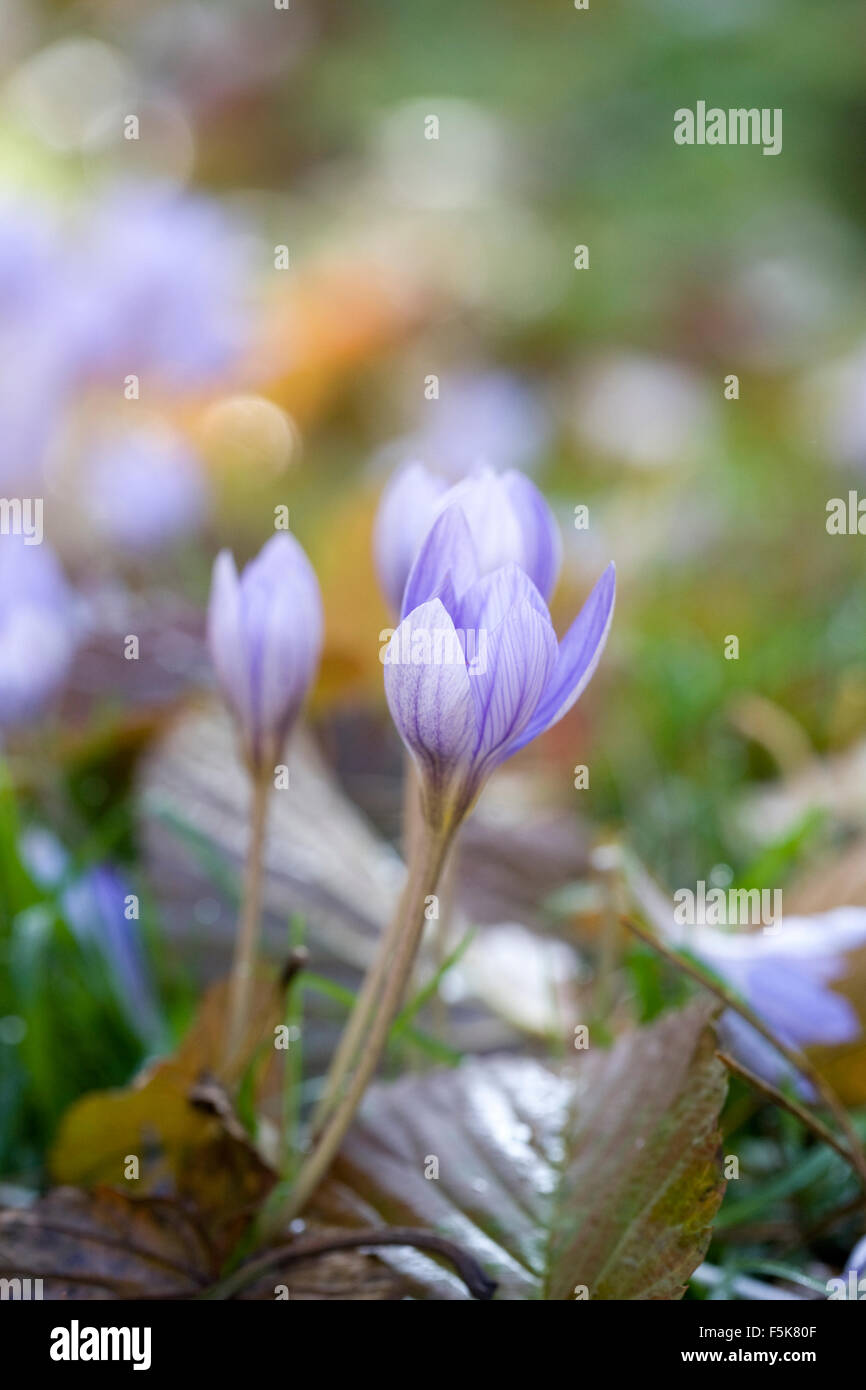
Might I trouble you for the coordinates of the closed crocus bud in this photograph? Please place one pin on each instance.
(265, 636)
(474, 672)
(38, 629)
(508, 519)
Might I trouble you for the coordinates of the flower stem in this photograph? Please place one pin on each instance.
(788, 1103)
(246, 943)
(429, 855)
(359, 1021)
(371, 987)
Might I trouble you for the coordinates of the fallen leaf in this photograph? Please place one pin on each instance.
(109, 1245)
(156, 1118)
(605, 1175)
(105, 1245)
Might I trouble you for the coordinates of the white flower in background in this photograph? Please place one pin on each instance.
(642, 410)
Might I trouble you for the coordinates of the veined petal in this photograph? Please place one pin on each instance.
(430, 698)
(290, 649)
(579, 653)
(496, 526)
(447, 552)
(265, 634)
(486, 603)
(542, 543)
(518, 658)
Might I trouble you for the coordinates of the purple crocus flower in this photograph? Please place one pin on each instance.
(265, 635)
(146, 489)
(474, 672)
(35, 344)
(507, 516)
(785, 976)
(161, 286)
(38, 621)
(96, 904)
(481, 417)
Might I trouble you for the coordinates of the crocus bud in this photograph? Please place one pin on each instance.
(265, 637)
(508, 520)
(474, 671)
(37, 629)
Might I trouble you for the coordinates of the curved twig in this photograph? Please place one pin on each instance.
(479, 1284)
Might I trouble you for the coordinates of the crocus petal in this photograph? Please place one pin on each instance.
(753, 1050)
(406, 512)
(291, 638)
(799, 1007)
(431, 700)
(542, 543)
(519, 656)
(447, 553)
(785, 975)
(225, 634)
(856, 1262)
(282, 618)
(94, 905)
(495, 525)
(487, 601)
(579, 653)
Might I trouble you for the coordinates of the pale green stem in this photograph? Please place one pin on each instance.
(359, 1021)
(371, 988)
(246, 942)
(430, 852)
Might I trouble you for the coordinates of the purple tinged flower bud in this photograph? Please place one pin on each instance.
(508, 519)
(474, 672)
(265, 633)
(38, 629)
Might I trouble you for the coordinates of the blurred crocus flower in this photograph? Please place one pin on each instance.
(29, 258)
(102, 912)
(38, 622)
(485, 417)
(785, 976)
(160, 289)
(36, 344)
(507, 517)
(474, 671)
(265, 633)
(145, 490)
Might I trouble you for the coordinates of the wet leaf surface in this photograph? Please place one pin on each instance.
(606, 1175)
